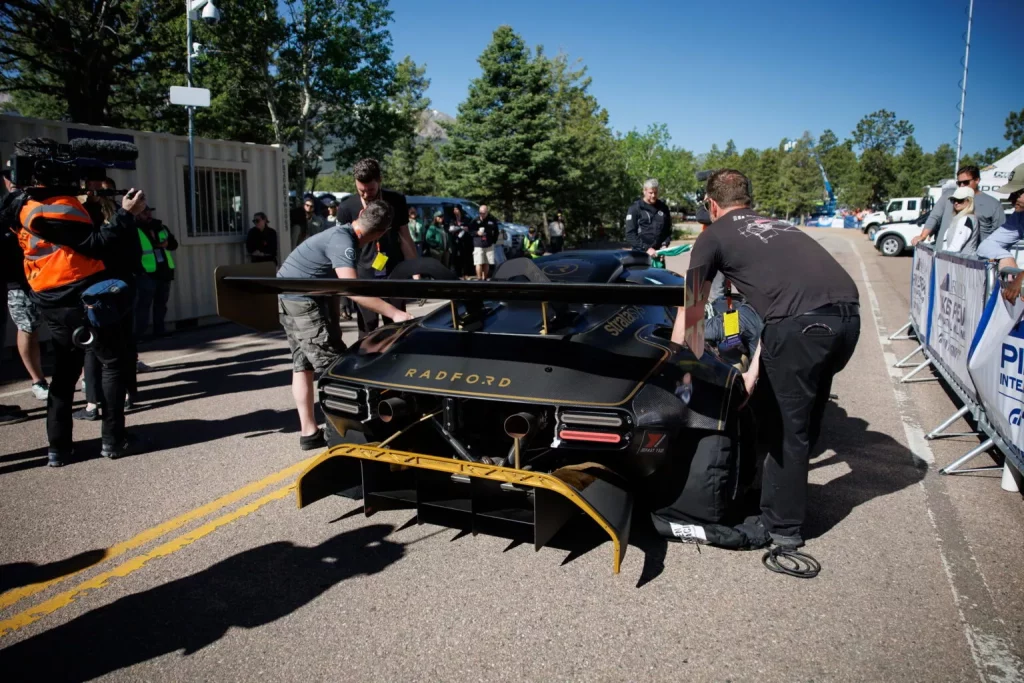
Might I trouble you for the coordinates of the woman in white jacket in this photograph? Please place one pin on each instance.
(962, 236)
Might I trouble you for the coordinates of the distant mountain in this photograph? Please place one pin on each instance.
(430, 128)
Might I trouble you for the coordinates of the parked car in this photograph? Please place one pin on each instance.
(893, 239)
(898, 210)
(426, 206)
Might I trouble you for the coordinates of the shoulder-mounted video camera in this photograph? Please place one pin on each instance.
(45, 165)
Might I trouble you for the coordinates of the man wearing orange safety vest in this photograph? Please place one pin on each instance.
(64, 253)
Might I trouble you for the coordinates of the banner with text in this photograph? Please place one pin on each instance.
(921, 284)
(997, 368)
(957, 304)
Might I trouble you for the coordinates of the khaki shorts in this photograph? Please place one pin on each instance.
(483, 256)
(313, 332)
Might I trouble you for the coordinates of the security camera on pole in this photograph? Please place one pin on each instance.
(194, 97)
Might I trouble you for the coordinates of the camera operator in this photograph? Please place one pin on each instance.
(64, 254)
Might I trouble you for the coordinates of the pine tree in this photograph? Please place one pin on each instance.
(501, 145)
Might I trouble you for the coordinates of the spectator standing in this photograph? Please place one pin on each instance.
(378, 257)
(648, 222)
(533, 246)
(987, 209)
(23, 312)
(435, 239)
(261, 242)
(556, 233)
(997, 245)
(416, 230)
(964, 229)
(157, 274)
(461, 243)
(309, 223)
(484, 230)
(330, 212)
(309, 323)
(11, 267)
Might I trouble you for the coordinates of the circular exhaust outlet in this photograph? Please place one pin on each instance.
(520, 425)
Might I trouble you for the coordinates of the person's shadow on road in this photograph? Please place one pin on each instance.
(878, 466)
(247, 590)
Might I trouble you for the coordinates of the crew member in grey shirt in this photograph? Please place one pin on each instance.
(311, 324)
(987, 209)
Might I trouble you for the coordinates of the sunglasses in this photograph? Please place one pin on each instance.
(959, 201)
(964, 183)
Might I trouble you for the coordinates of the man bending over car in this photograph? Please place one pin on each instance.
(311, 324)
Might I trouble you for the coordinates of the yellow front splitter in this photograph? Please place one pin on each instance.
(472, 496)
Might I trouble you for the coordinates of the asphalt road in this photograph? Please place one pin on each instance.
(191, 562)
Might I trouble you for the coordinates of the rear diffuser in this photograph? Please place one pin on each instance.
(474, 497)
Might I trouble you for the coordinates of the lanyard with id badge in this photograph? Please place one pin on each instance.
(730, 322)
(379, 261)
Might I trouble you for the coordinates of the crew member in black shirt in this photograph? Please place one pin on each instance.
(261, 242)
(648, 223)
(378, 258)
(812, 322)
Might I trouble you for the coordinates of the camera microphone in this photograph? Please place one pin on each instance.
(702, 176)
(106, 150)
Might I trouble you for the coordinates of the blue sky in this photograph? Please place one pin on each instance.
(755, 72)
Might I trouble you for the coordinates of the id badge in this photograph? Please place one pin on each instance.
(731, 329)
(379, 261)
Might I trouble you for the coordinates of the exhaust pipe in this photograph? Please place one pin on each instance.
(394, 408)
(520, 425)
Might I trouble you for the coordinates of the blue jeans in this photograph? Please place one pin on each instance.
(151, 298)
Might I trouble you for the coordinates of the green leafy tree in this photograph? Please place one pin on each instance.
(881, 131)
(501, 146)
(651, 155)
(402, 164)
(75, 60)
(939, 165)
(1015, 129)
(909, 169)
(840, 163)
(800, 181)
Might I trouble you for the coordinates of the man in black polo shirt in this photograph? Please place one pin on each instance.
(812, 322)
(378, 258)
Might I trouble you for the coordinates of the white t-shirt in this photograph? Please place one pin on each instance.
(556, 228)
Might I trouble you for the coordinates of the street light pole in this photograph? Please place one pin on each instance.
(191, 123)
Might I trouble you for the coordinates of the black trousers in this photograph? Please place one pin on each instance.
(800, 356)
(129, 374)
(110, 349)
(556, 244)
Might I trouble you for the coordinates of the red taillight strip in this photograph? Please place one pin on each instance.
(597, 437)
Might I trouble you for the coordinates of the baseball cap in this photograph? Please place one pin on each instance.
(438, 213)
(962, 193)
(1016, 181)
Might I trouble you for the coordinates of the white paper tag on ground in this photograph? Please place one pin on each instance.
(688, 533)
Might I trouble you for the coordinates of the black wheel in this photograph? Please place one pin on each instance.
(891, 245)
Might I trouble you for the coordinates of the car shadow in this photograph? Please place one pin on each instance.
(247, 590)
(18, 574)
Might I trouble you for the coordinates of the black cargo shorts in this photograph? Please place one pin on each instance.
(311, 325)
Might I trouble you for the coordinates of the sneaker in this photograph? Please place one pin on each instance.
(87, 415)
(141, 367)
(127, 446)
(10, 415)
(41, 390)
(313, 441)
(55, 458)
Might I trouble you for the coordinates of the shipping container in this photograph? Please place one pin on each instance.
(234, 180)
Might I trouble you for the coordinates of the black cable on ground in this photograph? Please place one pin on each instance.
(791, 562)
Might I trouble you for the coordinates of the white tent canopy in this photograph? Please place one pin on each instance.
(998, 174)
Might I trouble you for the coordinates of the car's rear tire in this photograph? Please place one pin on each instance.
(891, 245)
(871, 230)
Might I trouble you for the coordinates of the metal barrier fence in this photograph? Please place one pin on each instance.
(951, 299)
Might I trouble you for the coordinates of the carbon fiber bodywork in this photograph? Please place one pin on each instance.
(605, 399)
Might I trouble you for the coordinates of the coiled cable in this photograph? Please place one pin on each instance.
(791, 562)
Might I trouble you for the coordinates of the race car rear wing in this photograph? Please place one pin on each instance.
(247, 294)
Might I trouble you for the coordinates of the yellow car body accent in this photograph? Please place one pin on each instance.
(469, 469)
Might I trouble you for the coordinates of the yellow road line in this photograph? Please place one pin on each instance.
(12, 596)
(99, 581)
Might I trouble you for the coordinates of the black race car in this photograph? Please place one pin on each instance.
(552, 390)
